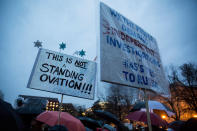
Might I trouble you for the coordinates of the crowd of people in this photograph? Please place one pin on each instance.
(11, 120)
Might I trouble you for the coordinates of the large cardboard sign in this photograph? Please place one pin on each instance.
(64, 74)
(129, 56)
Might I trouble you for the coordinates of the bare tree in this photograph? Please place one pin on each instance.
(183, 89)
(173, 102)
(189, 82)
(119, 101)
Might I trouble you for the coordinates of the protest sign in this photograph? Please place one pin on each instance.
(129, 55)
(63, 74)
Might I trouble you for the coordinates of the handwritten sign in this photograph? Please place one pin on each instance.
(64, 74)
(129, 56)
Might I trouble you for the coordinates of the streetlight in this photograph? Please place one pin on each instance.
(195, 115)
(163, 117)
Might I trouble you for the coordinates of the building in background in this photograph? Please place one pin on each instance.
(44, 103)
(39, 104)
(68, 107)
(176, 102)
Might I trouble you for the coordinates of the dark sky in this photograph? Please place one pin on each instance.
(172, 22)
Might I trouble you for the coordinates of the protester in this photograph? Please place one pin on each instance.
(38, 126)
(129, 126)
(9, 119)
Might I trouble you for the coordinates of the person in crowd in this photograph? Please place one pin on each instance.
(58, 128)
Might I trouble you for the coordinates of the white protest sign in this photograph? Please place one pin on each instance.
(63, 74)
(129, 56)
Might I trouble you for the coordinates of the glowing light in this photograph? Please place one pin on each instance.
(89, 109)
(163, 116)
(112, 124)
(83, 113)
(126, 121)
(195, 115)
